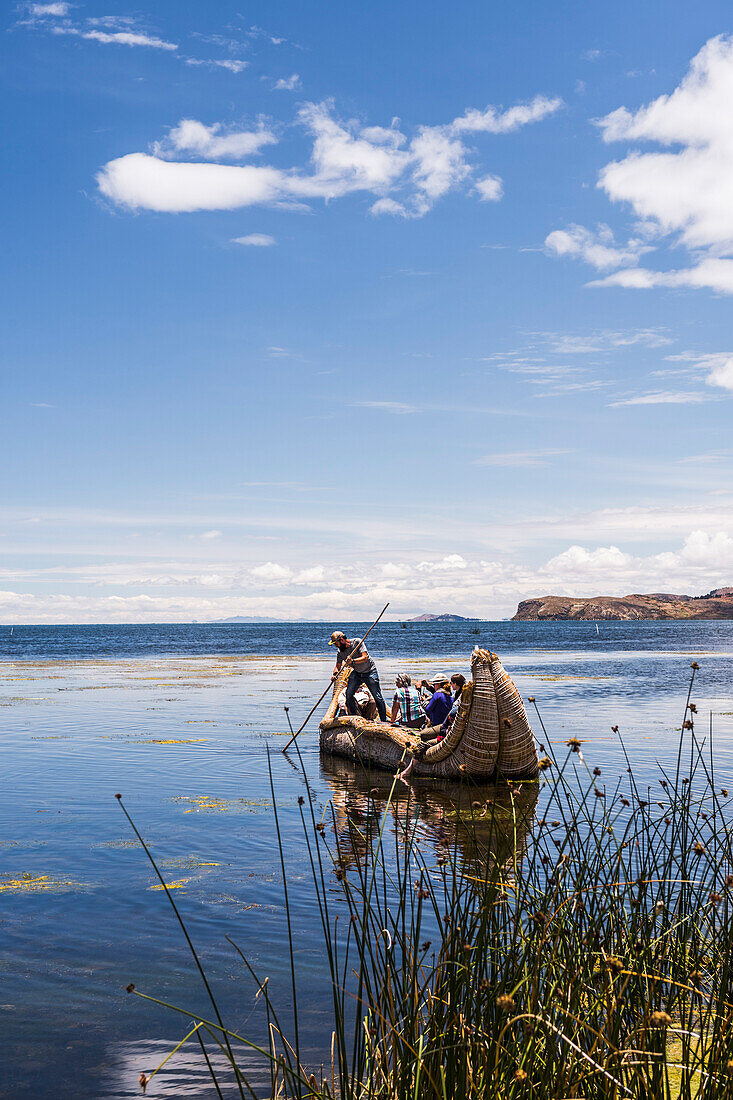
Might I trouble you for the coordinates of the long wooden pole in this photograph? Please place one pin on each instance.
(315, 705)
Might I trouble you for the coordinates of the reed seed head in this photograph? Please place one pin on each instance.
(573, 744)
(698, 848)
(130, 988)
(694, 665)
(614, 729)
(301, 800)
(661, 1019)
(544, 763)
(520, 1076)
(505, 1002)
(143, 1082)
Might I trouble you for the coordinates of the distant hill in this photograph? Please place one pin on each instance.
(717, 604)
(441, 619)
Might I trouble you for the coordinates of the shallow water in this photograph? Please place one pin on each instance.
(178, 719)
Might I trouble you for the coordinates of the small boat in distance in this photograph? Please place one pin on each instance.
(490, 737)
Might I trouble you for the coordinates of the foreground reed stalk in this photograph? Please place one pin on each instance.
(586, 954)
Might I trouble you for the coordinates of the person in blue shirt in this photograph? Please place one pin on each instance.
(440, 702)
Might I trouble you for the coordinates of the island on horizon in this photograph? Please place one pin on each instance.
(717, 604)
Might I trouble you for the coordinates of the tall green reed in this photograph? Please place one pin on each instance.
(586, 954)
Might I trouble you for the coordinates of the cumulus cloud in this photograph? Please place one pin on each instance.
(597, 248)
(287, 83)
(703, 559)
(56, 10)
(681, 193)
(272, 571)
(722, 374)
(255, 240)
(213, 142)
(490, 189)
(406, 176)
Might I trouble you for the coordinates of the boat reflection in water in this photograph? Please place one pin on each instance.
(484, 824)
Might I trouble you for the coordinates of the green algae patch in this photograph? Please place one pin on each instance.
(170, 885)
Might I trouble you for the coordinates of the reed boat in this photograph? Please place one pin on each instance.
(490, 737)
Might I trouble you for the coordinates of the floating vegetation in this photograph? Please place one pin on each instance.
(210, 804)
(187, 863)
(174, 741)
(170, 885)
(120, 844)
(36, 884)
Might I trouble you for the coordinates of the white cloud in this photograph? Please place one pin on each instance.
(116, 38)
(711, 274)
(255, 240)
(490, 188)
(140, 181)
(681, 194)
(212, 534)
(598, 249)
(233, 65)
(389, 206)
(396, 407)
(271, 571)
(576, 561)
(56, 10)
(212, 142)
(722, 374)
(662, 397)
(395, 571)
(447, 564)
(287, 83)
(493, 121)
(519, 458)
(407, 176)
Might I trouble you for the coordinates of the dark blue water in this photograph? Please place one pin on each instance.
(178, 719)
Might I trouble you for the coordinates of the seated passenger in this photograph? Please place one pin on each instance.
(457, 684)
(440, 702)
(365, 705)
(406, 706)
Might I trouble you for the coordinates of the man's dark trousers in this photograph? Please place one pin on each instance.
(371, 679)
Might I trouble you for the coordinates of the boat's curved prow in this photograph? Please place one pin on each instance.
(491, 735)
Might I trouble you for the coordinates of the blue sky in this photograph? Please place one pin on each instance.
(312, 306)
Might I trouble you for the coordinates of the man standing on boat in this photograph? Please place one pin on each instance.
(364, 671)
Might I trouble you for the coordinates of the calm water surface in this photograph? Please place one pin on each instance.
(179, 719)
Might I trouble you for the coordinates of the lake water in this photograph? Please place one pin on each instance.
(179, 719)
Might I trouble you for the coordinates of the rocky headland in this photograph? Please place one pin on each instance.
(717, 604)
